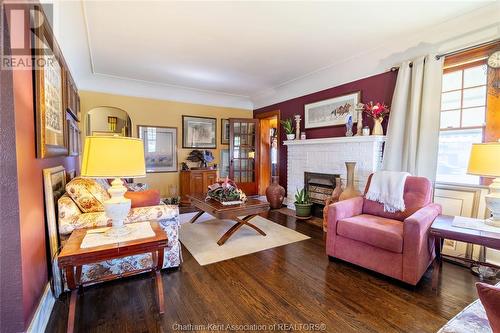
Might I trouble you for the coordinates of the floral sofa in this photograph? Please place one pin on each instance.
(82, 207)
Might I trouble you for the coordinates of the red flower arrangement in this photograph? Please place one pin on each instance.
(377, 110)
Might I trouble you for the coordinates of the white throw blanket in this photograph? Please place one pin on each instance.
(387, 187)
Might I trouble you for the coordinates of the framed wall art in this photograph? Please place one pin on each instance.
(224, 133)
(160, 148)
(49, 108)
(54, 182)
(331, 112)
(199, 132)
(74, 137)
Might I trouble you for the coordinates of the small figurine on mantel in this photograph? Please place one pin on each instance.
(348, 125)
(359, 111)
(297, 126)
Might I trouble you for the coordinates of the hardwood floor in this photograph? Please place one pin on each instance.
(292, 285)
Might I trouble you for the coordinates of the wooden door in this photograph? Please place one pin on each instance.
(244, 153)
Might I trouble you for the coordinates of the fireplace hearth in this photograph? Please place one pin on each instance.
(320, 187)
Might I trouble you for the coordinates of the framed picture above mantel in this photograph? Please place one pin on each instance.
(332, 111)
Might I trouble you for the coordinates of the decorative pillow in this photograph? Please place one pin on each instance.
(143, 198)
(87, 194)
(490, 298)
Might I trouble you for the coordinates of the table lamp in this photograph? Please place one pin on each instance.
(114, 157)
(485, 161)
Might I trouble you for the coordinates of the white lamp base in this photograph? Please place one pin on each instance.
(493, 203)
(117, 208)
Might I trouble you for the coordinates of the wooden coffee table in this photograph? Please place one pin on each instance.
(442, 229)
(73, 257)
(249, 209)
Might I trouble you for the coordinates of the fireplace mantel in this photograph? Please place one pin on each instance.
(329, 155)
(342, 139)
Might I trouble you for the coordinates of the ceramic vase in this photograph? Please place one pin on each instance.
(377, 126)
(337, 191)
(350, 190)
(290, 136)
(275, 194)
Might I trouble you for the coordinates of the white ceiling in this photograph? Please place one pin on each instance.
(233, 50)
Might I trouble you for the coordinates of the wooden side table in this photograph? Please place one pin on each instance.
(442, 228)
(73, 257)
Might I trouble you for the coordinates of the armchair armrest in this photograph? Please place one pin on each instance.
(418, 250)
(417, 225)
(341, 210)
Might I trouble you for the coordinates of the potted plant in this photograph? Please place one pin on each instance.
(303, 204)
(288, 127)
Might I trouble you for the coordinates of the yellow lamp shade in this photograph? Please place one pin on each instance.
(485, 159)
(112, 157)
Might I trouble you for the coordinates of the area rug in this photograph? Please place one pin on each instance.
(200, 238)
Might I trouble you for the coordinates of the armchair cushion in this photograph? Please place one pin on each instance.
(340, 210)
(377, 231)
(143, 198)
(87, 194)
(417, 194)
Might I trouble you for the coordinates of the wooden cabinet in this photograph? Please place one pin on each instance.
(195, 181)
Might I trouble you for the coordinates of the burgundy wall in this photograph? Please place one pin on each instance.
(11, 307)
(31, 217)
(377, 88)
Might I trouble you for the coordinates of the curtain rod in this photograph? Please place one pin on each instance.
(491, 42)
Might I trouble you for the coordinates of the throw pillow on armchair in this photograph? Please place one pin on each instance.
(143, 198)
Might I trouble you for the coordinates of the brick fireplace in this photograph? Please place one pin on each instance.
(328, 156)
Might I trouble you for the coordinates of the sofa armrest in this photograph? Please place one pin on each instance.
(341, 210)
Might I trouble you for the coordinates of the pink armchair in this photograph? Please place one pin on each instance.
(393, 244)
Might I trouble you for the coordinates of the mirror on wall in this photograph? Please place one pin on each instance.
(107, 120)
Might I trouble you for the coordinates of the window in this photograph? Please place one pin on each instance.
(462, 120)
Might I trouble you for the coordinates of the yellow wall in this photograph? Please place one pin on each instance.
(144, 111)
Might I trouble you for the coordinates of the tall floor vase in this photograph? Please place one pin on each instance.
(275, 194)
(350, 190)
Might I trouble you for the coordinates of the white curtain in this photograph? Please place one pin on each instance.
(413, 130)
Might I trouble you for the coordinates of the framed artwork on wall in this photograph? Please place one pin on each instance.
(224, 135)
(49, 108)
(74, 141)
(224, 163)
(160, 148)
(199, 132)
(331, 112)
(54, 182)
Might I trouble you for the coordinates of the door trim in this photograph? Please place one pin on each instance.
(265, 115)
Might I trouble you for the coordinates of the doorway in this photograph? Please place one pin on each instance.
(268, 145)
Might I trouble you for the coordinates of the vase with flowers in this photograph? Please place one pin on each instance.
(377, 111)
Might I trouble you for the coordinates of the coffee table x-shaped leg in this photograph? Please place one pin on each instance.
(235, 227)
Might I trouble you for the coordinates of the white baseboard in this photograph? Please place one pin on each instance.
(42, 313)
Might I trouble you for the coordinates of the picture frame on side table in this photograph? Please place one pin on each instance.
(160, 147)
(332, 111)
(224, 133)
(199, 132)
(49, 103)
(54, 182)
